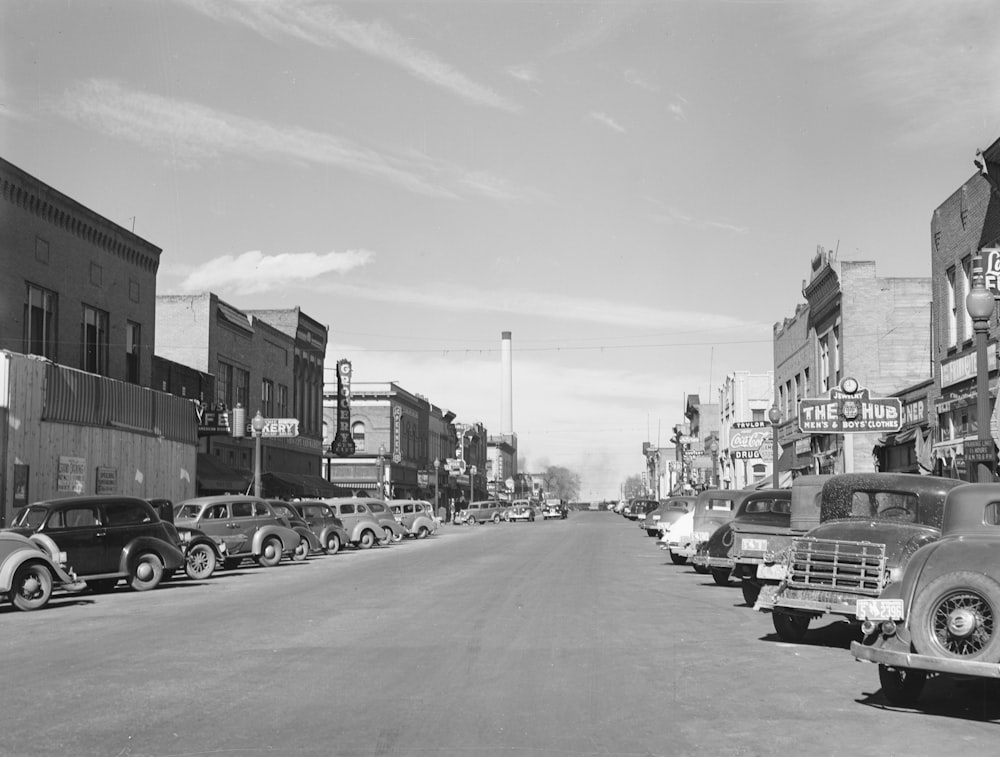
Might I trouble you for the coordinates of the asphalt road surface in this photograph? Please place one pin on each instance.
(574, 637)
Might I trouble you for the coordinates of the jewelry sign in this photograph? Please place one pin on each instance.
(343, 442)
(850, 409)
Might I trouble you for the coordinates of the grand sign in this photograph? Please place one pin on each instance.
(343, 442)
(850, 409)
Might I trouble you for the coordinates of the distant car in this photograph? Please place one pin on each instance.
(521, 512)
(363, 528)
(249, 527)
(106, 539)
(323, 521)
(308, 541)
(942, 615)
(480, 511)
(392, 529)
(554, 509)
(31, 569)
(415, 516)
(667, 512)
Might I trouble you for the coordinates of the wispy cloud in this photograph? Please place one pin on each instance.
(328, 26)
(608, 121)
(189, 134)
(524, 72)
(673, 216)
(678, 107)
(638, 79)
(256, 273)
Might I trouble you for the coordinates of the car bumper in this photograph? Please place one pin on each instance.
(897, 659)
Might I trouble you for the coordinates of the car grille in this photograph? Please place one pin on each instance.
(852, 566)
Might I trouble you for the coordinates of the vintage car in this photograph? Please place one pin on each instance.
(554, 509)
(521, 512)
(106, 538)
(480, 511)
(712, 508)
(31, 568)
(415, 516)
(248, 526)
(363, 529)
(392, 529)
(757, 543)
(757, 507)
(870, 525)
(665, 513)
(202, 553)
(677, 532)
(323, 521)
(639, 506)
(941, 616)
(308, 541)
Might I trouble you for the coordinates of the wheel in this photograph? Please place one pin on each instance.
(471, 521)
(721, 576)
(496, 518)
(423, 533)
(790, 627)
(332, 544)
(956, 616)
(677, 559)
(147, 572)
(199, 562)
(301, 550)
(270, 552)
(386, 536)
(102, 585)
(901, 686)
(751, 590)
(397, 537)
(367, 540)
(31, 587)
(699, 569)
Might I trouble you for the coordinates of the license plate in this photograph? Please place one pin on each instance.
(774, 572)
(753, 545)
(879, 609)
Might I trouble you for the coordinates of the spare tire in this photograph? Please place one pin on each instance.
(957, 616)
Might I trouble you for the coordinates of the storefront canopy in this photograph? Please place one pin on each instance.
(288, 485)
(215, 477)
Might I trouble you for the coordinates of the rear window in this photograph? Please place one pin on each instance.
(884, 506)
(125, 514)
(720, 504)
(347, 509)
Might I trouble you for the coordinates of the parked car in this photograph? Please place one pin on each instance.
(364, 530)
(554, 509)
(942, 614)
(323, 521)
(106, 539)
(522, 512)
(480, 511)
(667, 512)
(392, 529)
(758, 543)
(676, 534)
(31, 568)
(415, 516)
(248, 526)
(712, 508)
(638, 505)
(202, 553)
(308, 541)
(870, 525)
(757, 507)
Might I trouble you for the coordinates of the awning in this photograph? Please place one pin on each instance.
(300, 485)
(215, 476)
(353, 486)
(789, 461)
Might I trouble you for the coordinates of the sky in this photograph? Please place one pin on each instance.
(633, 189)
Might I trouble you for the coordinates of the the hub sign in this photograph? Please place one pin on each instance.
(850, 410)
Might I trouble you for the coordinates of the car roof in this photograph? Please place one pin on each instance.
(216, 498)
(89, 500)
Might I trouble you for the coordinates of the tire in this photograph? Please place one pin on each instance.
(791, 628)
(677, 559)
(270, 552)
(332, 544)
(199, 562)
(31, 587)
(496, 518)
(102, 585)
(423, 533)
(751, 590)
(901, 686)
(147, 572)
(301, 550)
(956, 616)
(721, 576)
(471, 521)
(396, 538)
(367, 540)
(699, 569)
(386, 536)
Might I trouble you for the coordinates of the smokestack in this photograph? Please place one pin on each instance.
(506, 413)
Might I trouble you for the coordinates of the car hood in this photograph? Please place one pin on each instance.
(900, 539)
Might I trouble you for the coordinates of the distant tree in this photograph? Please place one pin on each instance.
(633, 485)
(561, 482)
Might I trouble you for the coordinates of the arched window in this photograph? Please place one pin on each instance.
(358, 434)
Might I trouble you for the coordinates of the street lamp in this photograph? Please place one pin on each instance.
(381, 471)
(472, 478)
(715, 463)
(437, 478)
(774, 415)
(979, 303)
(258, 429)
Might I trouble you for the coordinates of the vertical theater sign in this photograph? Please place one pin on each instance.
(850, 409)
(343, 442)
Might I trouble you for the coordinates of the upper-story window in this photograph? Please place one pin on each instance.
(132, 332)
(358, 434)
(951, 312)
(966, 283)
(95, 341)
(241, 386)
(267, 398)
(835, 349)
(224, 384)
(282, 401)
(824, 363)
(40, 322)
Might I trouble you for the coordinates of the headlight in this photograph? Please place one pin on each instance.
(185, 536)
(895, 574)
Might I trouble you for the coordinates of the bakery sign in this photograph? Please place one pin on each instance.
(746, 438)
(343, 442)
(850, 409)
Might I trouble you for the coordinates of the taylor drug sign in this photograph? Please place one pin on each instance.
(850, 409)
(746, 439)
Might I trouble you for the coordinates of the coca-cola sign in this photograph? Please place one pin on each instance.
(746, 438)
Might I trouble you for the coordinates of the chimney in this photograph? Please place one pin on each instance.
(506, 413)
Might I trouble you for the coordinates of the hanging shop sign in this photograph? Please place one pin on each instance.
(746, 438)
(991, 269)
(213, 419)
(850, 409)
(397, 437)
(343, 442)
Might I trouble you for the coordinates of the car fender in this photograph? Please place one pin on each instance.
(172, 557)
(289, 538)
(19, 557)
(197, 539)
(396, 528)
(309, 536)
(422, 520)
(365, 525)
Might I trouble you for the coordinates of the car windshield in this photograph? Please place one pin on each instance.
(31, 517)
(187, 511)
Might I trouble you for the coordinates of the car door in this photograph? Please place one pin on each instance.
(124, 521)
(242, 526)
(349, 517)
(78, 531)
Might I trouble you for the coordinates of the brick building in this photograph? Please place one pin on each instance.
(743, 398)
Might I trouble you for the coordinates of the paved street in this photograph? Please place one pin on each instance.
(572, 637)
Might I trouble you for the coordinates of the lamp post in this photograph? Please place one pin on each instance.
(472, 478)
(980, 303)
(715, 463)
(774, 415)
(258, 429)
(437, 478)
(381, 471)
